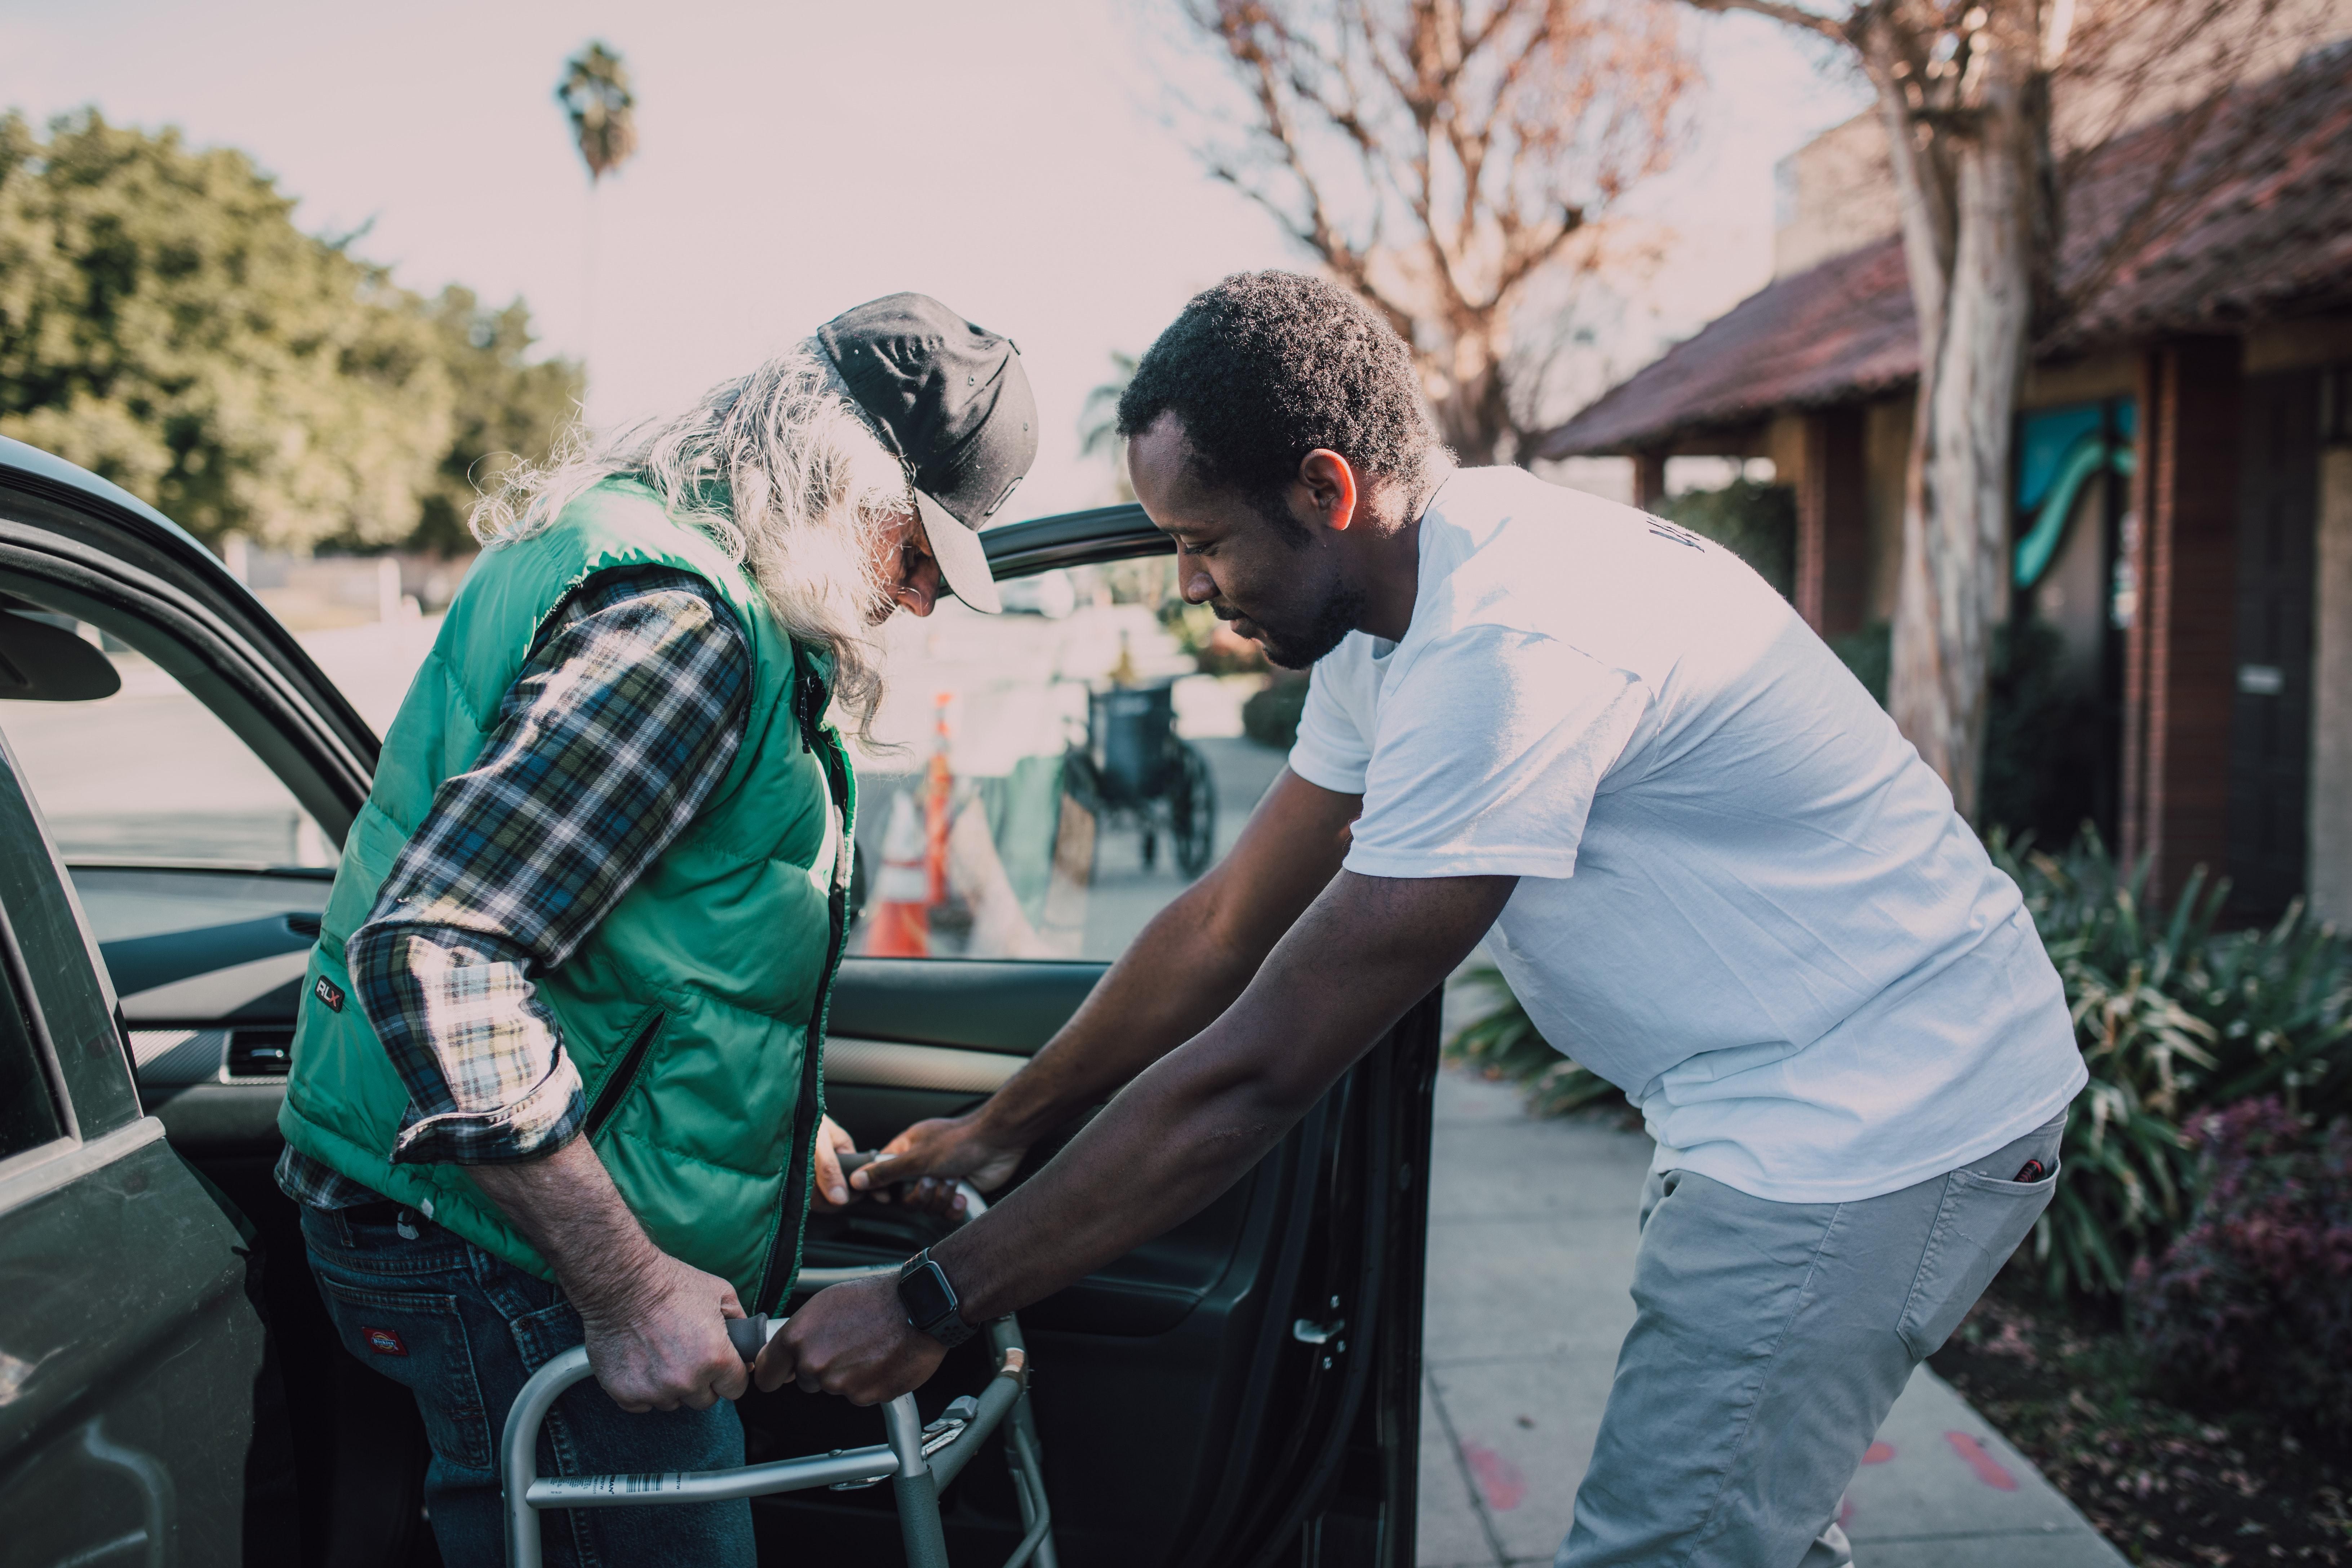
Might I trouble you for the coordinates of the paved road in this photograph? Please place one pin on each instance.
(1530, 1263)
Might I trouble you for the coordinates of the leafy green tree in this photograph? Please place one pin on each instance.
(164, 323)
(506, 407)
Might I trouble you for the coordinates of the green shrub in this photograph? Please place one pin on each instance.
(1756, 523)
(1271, 717)
(2173, 1019)
(1869, 654)
(1501, 1042)
(2252, 1305)
(2042, 734)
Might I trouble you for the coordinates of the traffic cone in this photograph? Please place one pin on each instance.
(900, 925)
(939, 787)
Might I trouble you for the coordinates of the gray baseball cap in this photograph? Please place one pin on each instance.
(952, 399)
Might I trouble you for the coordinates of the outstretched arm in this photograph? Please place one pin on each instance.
(1181, 1132)
(1185, 968)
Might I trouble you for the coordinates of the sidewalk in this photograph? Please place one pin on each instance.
(1532, 1241)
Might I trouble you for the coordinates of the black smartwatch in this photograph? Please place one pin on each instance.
(931, 1302)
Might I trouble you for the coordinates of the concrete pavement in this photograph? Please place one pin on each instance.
(1531, 1244)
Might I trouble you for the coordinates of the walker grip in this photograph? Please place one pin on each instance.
(750, 1335)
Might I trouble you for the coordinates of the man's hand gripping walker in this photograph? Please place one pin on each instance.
(918, 1460)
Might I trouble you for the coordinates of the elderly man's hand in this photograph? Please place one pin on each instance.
(659, 1340)
(853, 1340)
(832, 1142)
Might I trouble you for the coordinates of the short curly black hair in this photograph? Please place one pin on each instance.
(1265, 367)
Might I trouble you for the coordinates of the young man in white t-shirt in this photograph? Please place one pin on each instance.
(1705, 860)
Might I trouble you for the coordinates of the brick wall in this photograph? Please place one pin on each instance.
(1832, 566)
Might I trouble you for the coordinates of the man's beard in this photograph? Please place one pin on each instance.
(1300, 646)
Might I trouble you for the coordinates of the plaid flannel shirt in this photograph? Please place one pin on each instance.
(627, 714)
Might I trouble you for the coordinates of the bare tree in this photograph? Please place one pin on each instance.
(1992, 109)
(1442, 158)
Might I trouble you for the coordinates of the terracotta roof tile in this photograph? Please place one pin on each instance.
(2269, 235)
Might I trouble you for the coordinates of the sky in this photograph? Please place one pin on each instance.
(1018, 162)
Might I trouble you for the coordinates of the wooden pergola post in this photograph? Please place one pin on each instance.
(2180, 651)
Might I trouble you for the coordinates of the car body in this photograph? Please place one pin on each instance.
(1242, 1390)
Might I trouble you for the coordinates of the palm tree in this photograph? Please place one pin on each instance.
(595, 96)
(1099, 421)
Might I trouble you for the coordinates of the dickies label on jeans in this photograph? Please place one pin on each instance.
(330, 993)
(381, 1342)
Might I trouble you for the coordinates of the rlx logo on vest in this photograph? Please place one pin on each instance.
(327, 991)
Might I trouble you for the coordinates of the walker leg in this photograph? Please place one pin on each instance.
(916, 1489)
(1029, 1484)
(919, 1521)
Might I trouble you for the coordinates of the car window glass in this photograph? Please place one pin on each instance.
(147, 773)
(29, 1109)
(1041, 783)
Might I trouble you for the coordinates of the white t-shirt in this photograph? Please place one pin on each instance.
(1743, 898)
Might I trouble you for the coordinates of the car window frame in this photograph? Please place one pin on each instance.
(209, 659)
(52, 961)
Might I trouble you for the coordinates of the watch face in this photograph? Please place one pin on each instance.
(925, 1292)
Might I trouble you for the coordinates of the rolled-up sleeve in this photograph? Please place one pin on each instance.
(623, 721)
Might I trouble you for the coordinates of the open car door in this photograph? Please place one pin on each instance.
(197, 795)
(1242, 1390)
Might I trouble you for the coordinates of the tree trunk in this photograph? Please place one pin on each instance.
(1954, 580)
(1473, 408)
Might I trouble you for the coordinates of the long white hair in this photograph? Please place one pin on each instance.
(780, 467)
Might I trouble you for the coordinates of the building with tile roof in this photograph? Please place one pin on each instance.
(2182, 507)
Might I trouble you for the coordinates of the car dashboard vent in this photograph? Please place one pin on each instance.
(259, 1053)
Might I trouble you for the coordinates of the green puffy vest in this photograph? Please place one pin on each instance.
(695, 1012)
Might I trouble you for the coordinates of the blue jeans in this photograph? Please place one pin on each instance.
(462, 1331)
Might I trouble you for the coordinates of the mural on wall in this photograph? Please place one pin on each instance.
(2059, 452)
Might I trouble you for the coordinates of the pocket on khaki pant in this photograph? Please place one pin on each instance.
(1978, 1224)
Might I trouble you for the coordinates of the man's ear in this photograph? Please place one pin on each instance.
(1330, 487)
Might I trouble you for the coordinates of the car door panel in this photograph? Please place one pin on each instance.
(1175, 1402)
(125, 1432)
(981, 1004)
(128, 1348)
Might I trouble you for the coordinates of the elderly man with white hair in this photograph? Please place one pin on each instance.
(554, 1078)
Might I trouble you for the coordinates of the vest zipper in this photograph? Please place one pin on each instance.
(784, 1250)
(617, 1088)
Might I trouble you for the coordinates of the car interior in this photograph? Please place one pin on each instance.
(1241, 1389)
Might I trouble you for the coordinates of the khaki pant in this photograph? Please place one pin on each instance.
(1770, 1342)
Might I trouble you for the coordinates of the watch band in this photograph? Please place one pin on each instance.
(931, 1302)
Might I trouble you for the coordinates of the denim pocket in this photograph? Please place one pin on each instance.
(417, 1339)
(1978, 1224)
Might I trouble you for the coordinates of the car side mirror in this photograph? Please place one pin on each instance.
(43, 662)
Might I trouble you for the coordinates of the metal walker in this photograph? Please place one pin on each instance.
(917, 1460)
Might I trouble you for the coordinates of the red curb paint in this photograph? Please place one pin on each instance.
(1499, 1479)
(1988, 1470)
(1878, 1453)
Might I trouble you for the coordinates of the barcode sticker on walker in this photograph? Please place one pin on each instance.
(620, 1486)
